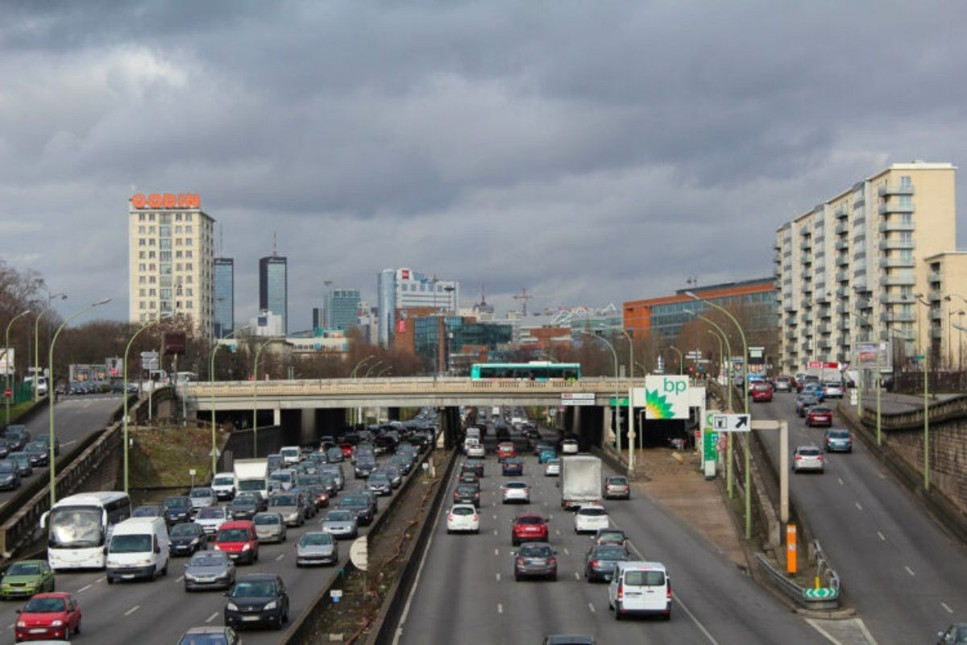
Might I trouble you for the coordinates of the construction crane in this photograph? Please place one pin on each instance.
(523, 295)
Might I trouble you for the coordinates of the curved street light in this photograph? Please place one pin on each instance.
(50, 399)
(62, 296)
(255, 395)
(371, 368)
(211, 378)
(681, 359)
(617, 402)
(926, 403)
(359, 364)
(6, 348)
(124, 419)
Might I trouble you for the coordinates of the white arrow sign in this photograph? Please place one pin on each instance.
(731, 422)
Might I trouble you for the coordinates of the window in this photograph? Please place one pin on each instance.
(188, 242)
(188, 305)
(140, 217)
(188, 253)
(178, 230)
(142, 267)
(189, 266)
(905, 182)
(141, 242)
(177, 217)
(188, 229)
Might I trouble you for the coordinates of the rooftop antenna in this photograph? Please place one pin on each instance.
(275, 246)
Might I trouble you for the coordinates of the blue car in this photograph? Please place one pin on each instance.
(512, 466)
(545, 455)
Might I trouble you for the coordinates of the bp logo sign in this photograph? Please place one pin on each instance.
(666, 397)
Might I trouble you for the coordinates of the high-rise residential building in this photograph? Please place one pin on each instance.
(870, 276)
(401, 289)
(274, 288)
(224, 297)
(171, 253)
(341, 309)
(318, 318)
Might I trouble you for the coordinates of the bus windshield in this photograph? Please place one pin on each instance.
(76, 527)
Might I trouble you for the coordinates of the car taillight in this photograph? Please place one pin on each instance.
(552, 560)
(621, 591)
(475, 518)
(798, 457)
(820, 457)
(594, 563)
(520, 560)
(668, 591)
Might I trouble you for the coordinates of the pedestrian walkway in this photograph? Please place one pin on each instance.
(675, 481)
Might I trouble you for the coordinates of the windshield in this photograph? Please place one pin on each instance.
(211, 559)
(44, 605)
(204, 639)
(225, 480)
(24, 569)
(254, 589)
(201, 492)
(211, 513)
(251, 484)
(339, 516)
(7, 467)
(234, 535)
(184, 530)
(76, 527)
(177, 502)
(535, 551)
(283, 500)
(131, 543)
(266, 519)
(316, 539)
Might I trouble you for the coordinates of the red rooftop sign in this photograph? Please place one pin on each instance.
(166, 200)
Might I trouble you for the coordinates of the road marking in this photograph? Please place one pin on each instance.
(67, 443)
(498, 577)
(859, 506)
(557, 531)
(910, 571)
(496, 551)
(180, 578)
(100, 580)
(495, 531)
(495, 516)
(701, 627)
(500, 608)
(84, 588)
(132, 610)
(280, 556)
(212, 617)
(577, 576)
(946, 607)
(566, 552)
(591, 607)
(882, 537)
(840, 480)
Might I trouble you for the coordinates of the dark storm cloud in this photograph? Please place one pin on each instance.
(587, 152)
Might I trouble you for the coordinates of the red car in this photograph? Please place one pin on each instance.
(506, 449)
(529, 527)
(347, 449)
(238, 540)
(54, 615)
(761, 393)
(819, 415)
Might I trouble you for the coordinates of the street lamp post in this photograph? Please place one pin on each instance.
(352, 375)
(6, 350)
(211, 378)
(617, 413)
(926, 409)
(124, 419)
(680, 358)
(255, 398)
(50, 399)
(62, 296)
(745, 390)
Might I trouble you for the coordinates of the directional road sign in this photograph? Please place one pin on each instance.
(731, 422)
(823, 593)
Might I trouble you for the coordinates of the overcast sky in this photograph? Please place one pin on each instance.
(588, 152)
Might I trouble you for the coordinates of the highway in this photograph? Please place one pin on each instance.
(75, 417)
(467, 587)
(901, 572)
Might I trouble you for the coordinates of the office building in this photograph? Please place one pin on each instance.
(171, 254)
(873, 267)
(224, 297)
(341, 309)
(399, 290)
(274, 288)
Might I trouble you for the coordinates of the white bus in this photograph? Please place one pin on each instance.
(78, 528)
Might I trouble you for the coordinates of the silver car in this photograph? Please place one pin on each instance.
(316, 547)
(209, 570)
(211, 517)
(201, 497)
(269, 526)
(516, 491)
(808, 458)
(290, 504)
(340, 523)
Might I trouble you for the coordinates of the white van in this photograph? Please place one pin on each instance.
(224, 486)
(41, 384)
(640, 588)
(291, 455)
(138, 549)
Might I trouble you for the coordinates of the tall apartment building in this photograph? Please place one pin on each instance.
(870, 276)
(171, 251)
(274, 288)
(399, 290)
(224, 297)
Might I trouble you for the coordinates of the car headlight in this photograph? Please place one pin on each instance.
(21, 624)
(231, 606)
(57, 623)
(218, 547)
(247, 547)
(270, 605)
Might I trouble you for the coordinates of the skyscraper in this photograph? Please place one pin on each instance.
(273, 288)
(401, 289)
(224, 297)
(341, 309)
(170, 257)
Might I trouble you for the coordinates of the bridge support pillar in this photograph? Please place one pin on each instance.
(450, 427)
(277, 416)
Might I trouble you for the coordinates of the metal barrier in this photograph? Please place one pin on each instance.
(824, 598)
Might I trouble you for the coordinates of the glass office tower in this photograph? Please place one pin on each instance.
(224, 297)
(273, 288)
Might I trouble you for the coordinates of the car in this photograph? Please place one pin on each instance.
(24, 578)
(474, 448)
(475, 466)
(467, 494)
(186, 538)
(528, 527)
(45, 439)
(838, 440)
(177, 508)
(590, 517)
(468, 478)
(245, 506)
(639, 587)
(211, 517)
(805, 401)
(319, 494)
(807, 458)
(201, 497)
(379, 482)
(39, 453)
(546, 454)
(616, 487)
(552, 467)
(22, 459)
(209, 570)
(210, 635)
(290, 505)
(346, 448)
(512, 466)
(815, 388)
(516, 491)
(610, 535)
(541, 445)
(832, 390)
(365, 464)
(569, 447)
(506, 449)
(956, 634)
(223, 484)
(19, 436)
(340, 523)
(761, 392)
(316, 547)
(239, 540)
(784, 384)
(257, 599)
(269, 526)
(819, 415)
(463, 518)
(335, 471)
(601, 559)
(9, 475)
(535, 560)
(50, 615)
(362, 505)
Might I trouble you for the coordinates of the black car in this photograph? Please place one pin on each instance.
(6, 447)
(467, 494)
(360, 504)
(364, 466)
(9, 477)
(186, 538)
(599, 563)
(244, 507)
(39, 453)
(45, 439)
(257, 599)
(475, 466)
(177, 509)
(379, 482)
(19, 436)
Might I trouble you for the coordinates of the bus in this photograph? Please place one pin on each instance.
(533, 371)
(78, 528)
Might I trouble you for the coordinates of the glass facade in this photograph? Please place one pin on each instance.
(273, 288)
(342, 309)
(224, 297)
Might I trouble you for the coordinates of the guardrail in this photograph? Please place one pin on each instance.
(815, 599)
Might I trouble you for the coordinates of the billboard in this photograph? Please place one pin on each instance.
(6, 360)
(869, 356)
(666, 397)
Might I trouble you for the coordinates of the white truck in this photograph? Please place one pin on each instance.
(580, 481)
(252, 475)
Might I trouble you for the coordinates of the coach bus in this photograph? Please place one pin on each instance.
(533, 371)
(79, 526)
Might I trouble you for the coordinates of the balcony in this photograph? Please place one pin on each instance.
(841, 245)
(893, 224)
(898, 280)
(824, 329)
(897, 245)
(806, 259)
(842, 259)
(841, 229)
(825, 344)
(791, 335)
(897, 263)
(843, 325)
(893, 299)
(898, 316)
(933, 276)
(842, 276)
(934, 295)
(883, 191)
(841, 212)
(862, 303)
(894, 207)
(805, 245)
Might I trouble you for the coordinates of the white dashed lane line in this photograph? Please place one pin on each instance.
(132, 610)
